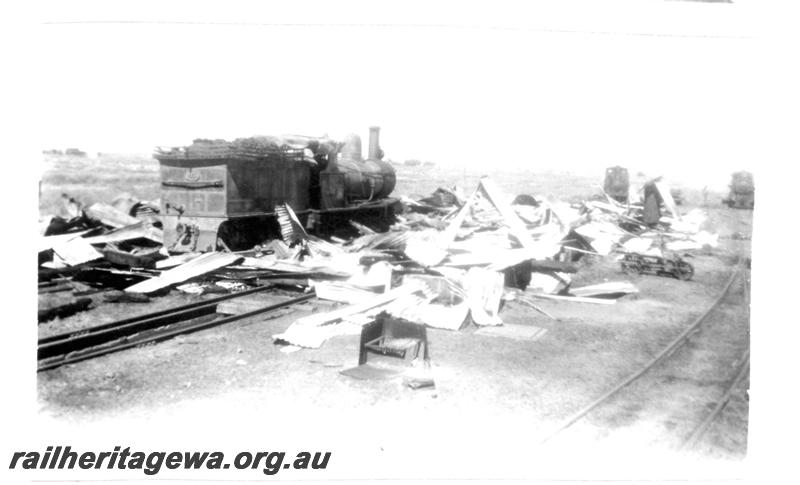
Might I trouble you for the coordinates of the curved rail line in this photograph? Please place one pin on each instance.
(71, 347)
(668, 350)
(701, 429)
(744, 370)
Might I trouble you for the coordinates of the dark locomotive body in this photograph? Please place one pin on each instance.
(223, 194)
(742, 191)
(617, 183)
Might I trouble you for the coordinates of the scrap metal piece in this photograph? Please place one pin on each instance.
(64, 310)
(673, 266)
(394, 337)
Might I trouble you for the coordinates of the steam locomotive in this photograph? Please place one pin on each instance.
(216, 193)
(617, 183)
(742, 191)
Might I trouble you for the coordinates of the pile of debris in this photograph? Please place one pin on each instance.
(118, 242)
(449, 260)
(299, 148)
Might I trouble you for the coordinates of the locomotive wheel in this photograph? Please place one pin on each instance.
(631, 269)
(229, 237)
(684, 272)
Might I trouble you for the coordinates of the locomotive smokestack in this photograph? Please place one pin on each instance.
(374, 152)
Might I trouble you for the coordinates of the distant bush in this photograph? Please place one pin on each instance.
(97, 180)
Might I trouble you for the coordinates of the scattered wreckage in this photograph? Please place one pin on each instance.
(673, 265)
(444, 261)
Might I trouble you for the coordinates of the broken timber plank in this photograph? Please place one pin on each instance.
(666, 197)
(176, 260)
(608, 289)
(379, 300)
(547, 265)
(341, 292)
(137, 230)
(313, 330)
(510, 217)
(109, 215)
(577, 299)
(196, 267)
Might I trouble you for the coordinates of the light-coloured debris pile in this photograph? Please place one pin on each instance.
(446, 262)
(126, 229)
(457, 257)
(449, 260)
(642, 228)
(96, 242)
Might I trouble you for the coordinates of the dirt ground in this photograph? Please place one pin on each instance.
(489, 388)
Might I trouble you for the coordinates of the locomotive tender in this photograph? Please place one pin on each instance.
(216, 193)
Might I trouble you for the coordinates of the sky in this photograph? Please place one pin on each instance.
(663, 87)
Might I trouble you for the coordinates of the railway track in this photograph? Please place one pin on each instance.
(701, 429)
(88, 343)
(661, 357)
(743, 374)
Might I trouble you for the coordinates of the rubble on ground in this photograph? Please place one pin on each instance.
(449, 260)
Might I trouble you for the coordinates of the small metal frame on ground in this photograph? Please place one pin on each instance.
(674, 266)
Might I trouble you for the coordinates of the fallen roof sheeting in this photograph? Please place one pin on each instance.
(448, 256)
(611, 289)
(137, 230)
(312, 331)
(109, 215)
(199, 266)
(75, 251)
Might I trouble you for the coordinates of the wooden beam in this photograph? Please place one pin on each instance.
(201, 265)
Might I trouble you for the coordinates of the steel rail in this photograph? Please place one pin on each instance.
(159, 335)
(668, 350)
(744, 369)
(700, 430)
(199, 306)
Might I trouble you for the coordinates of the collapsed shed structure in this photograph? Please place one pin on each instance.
(313, 214)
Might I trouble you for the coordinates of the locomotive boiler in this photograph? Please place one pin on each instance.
(216, 193)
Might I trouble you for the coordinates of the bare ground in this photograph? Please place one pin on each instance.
(489, 388)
